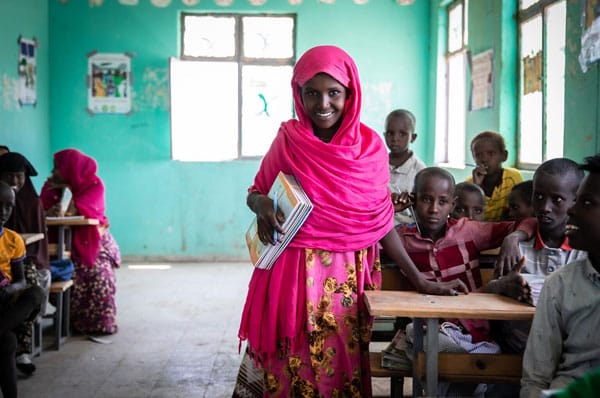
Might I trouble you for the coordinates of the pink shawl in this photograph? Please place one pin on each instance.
(79, 172)
(345, 179)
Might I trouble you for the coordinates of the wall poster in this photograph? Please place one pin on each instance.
(27, 71)
(590, 37)
(109, 83)
(482, 80)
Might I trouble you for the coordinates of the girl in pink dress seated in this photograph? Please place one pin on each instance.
(305, 320)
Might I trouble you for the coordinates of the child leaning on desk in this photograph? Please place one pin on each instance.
(555, 185)
(564, 343)
(27, 217)
(18, 302)
(94, 251)
(443, 248)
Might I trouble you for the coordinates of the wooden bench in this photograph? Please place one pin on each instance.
(396, 376)
(476, 368)
(61, 291)
(53, 251)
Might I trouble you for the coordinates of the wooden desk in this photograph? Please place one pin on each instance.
(30, 238)
(429, 308)
(64, 225)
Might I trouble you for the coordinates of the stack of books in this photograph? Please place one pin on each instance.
(394, 355)
(290, 199)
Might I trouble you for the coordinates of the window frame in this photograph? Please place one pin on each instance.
(442, 135)
(523, 15)
(239, 58)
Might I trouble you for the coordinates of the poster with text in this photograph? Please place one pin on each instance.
(109, 83)
(27, 71)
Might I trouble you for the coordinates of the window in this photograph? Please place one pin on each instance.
(541, 90)
(230, 90)
(452, 96)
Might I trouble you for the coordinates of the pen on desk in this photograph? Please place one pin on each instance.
(275, 209)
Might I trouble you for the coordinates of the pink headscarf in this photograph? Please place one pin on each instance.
(79, 172)
(345, 179)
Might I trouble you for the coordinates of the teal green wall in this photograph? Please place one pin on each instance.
(492, 25)
(162, 208)
(582, 94)
(25, 129)
(165, 209)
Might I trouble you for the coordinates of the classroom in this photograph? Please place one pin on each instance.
(177, 174)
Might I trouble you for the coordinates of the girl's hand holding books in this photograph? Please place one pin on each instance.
(267, 220)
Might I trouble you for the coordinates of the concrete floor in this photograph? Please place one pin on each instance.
(177, 338)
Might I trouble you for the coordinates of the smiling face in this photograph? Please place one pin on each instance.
(323, 99)
(434, 201)
(553, 194)
(15, 179)
(583, 228)
(399, 134)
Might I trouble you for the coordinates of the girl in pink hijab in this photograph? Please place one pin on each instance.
(305, 322)
(94, 251)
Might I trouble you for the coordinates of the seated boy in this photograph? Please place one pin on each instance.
(519, 201)
(444, 249)
(564, 343)
(555, 184)
(18, 302)
(470, 201)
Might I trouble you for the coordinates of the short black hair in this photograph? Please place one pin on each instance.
(491, 136)
(562, 167)
(524, 190)
(7, 149)
(592, 164)
(468, 187)
(402, 113)
(433, 172)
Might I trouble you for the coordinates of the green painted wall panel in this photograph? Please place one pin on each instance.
(582, 94)
(25, 129)
(162, 208)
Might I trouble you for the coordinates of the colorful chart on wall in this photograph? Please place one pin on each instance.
(27, 71)
(109, 83)
(590, 38)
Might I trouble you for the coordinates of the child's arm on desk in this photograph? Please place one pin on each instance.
(512, 285)
(394, 249)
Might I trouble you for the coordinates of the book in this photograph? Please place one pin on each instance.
(51, 218)
(289, 197)
(65, 201)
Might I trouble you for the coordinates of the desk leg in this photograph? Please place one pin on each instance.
(58, 320)
(417, 348)
(61, 242)
(432, 357)
(66, 321)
